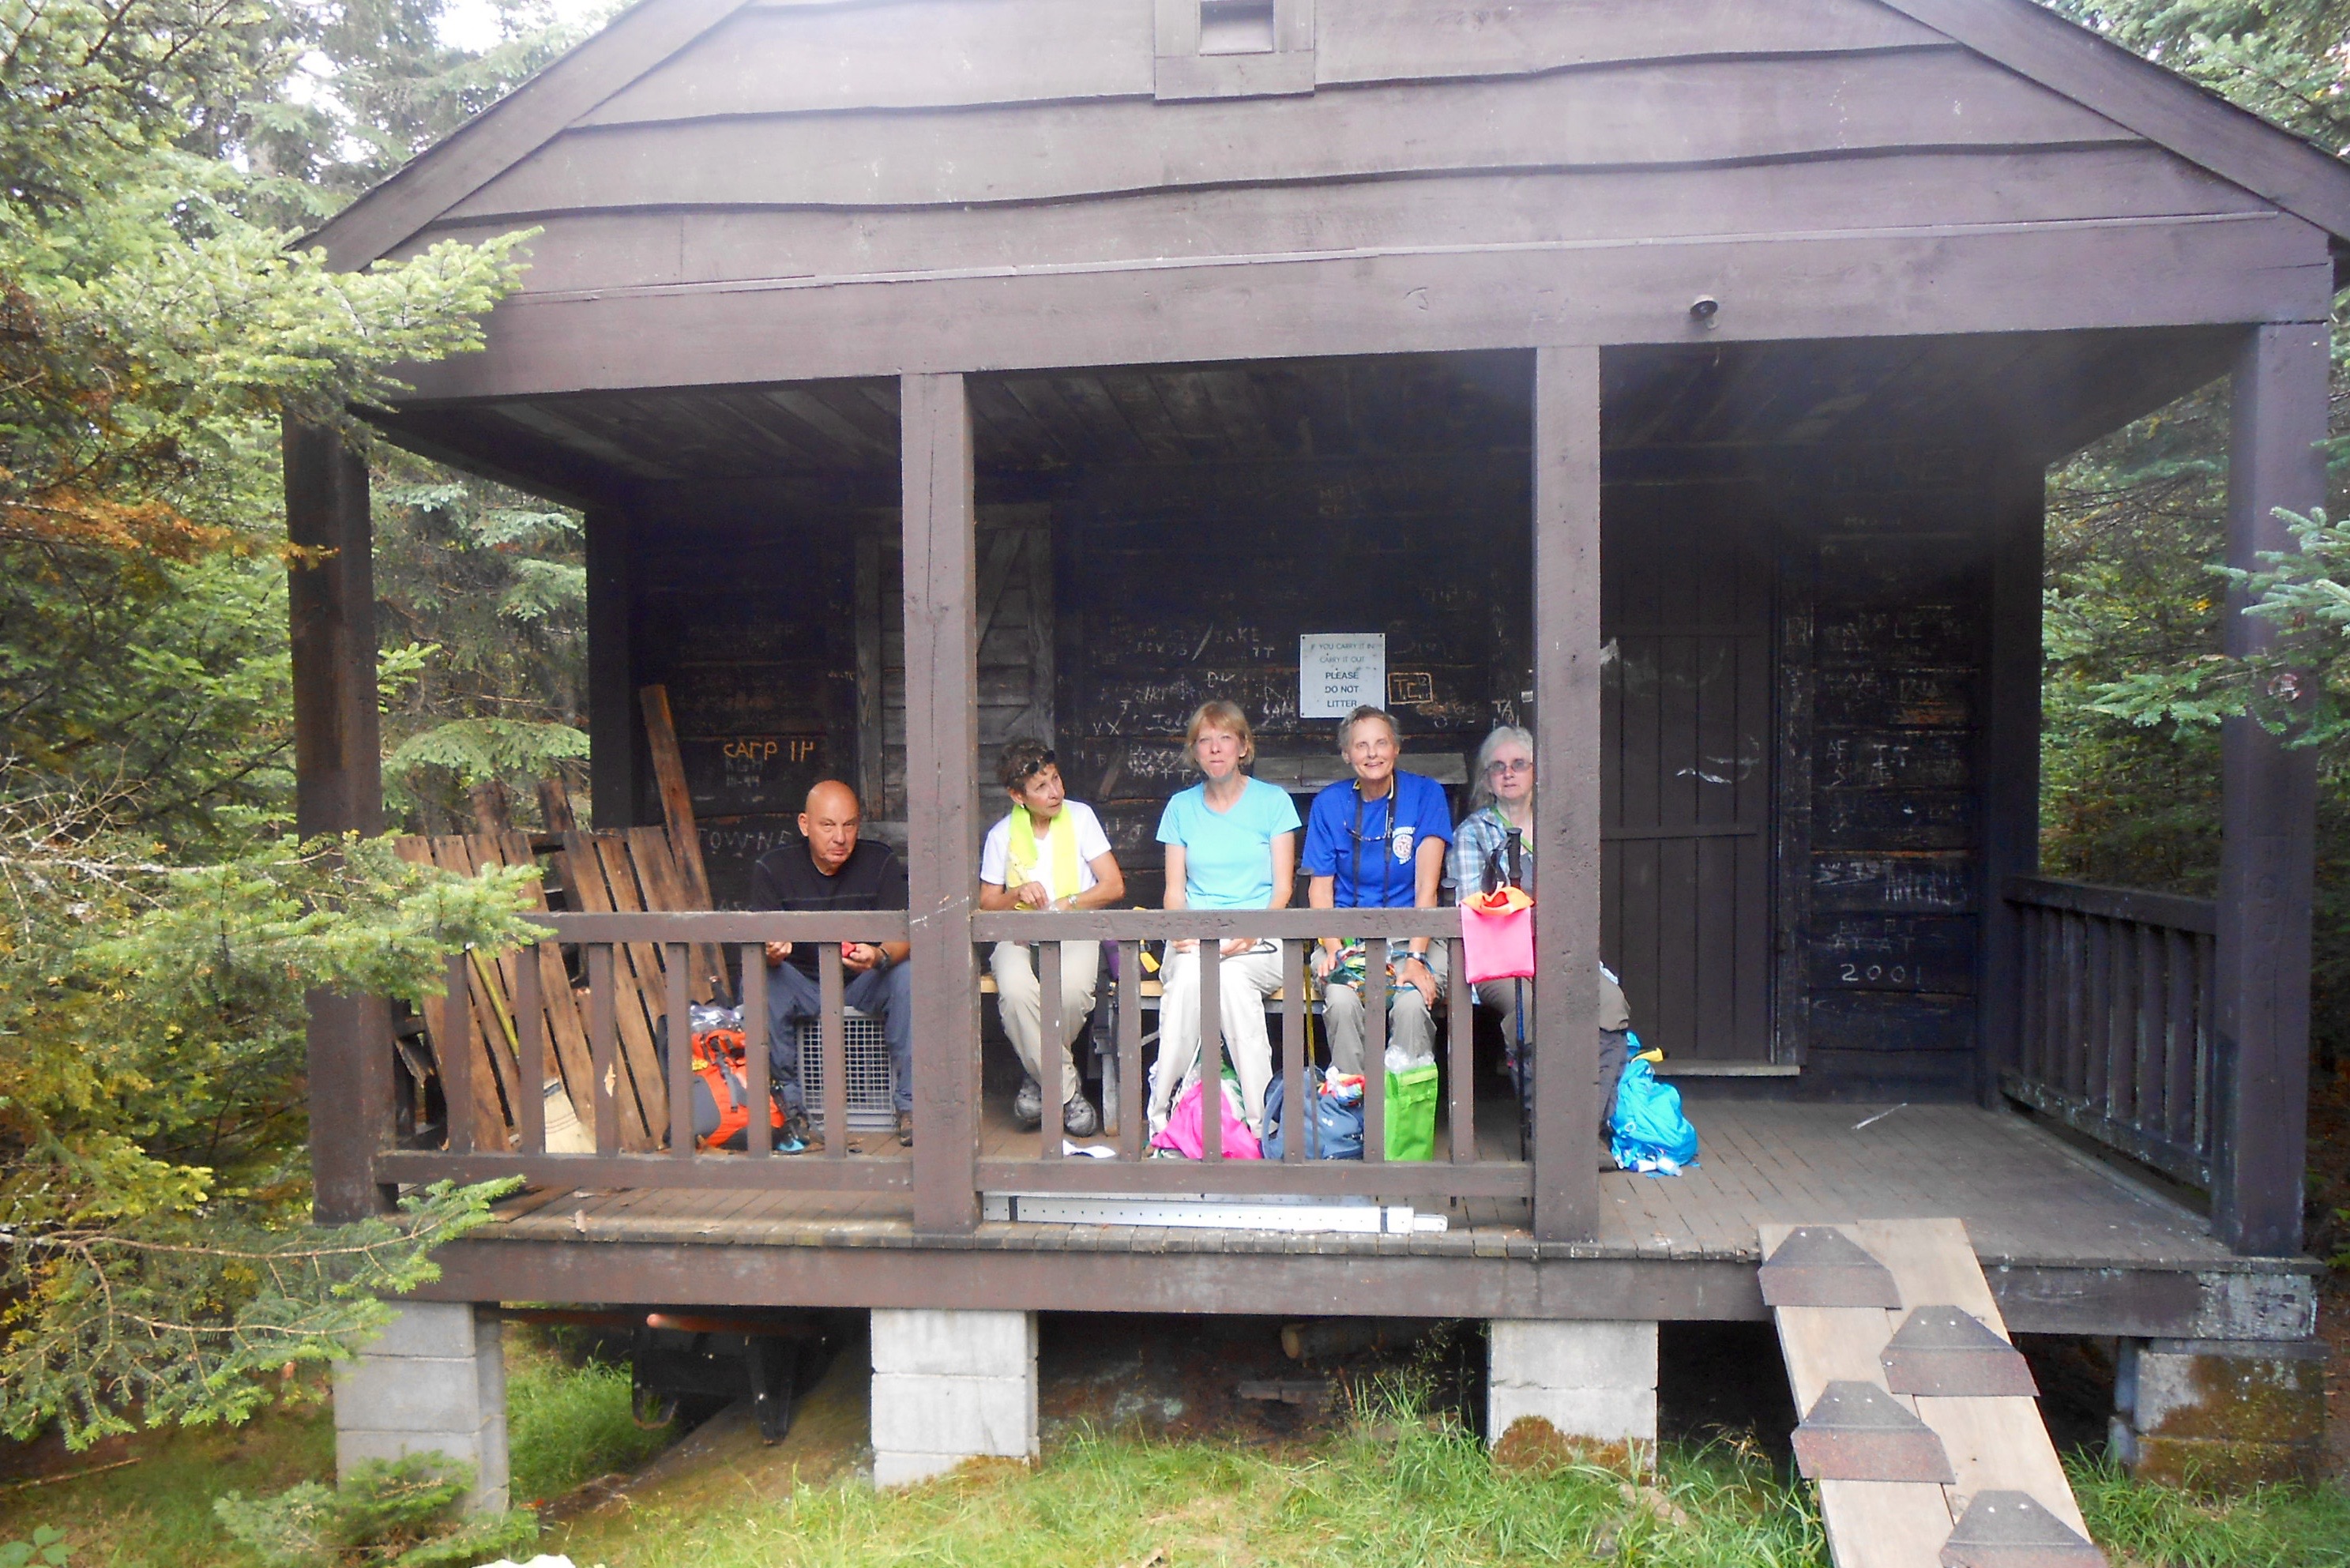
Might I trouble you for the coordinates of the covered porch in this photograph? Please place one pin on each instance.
(1796, 785)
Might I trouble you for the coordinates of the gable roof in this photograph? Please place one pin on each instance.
(2163, 107)
(2024, 37)
(515, 127)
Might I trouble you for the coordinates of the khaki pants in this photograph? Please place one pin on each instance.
(1242, 982)
(1412, 1022)
(1019, 1000)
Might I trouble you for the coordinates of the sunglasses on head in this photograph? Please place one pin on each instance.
(1035, 765)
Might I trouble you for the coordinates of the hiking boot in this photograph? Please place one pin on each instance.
(906, 1128)
(798, 1138)
(1078, 1118)
(1028, 1105)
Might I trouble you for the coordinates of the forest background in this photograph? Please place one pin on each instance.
(158, 924)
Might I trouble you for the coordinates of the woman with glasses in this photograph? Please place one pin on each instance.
(1376, 841)
(1050, 853)
(1493, 847)
(1231, 843)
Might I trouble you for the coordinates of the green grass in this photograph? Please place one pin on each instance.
(1387, 1492)
(158, 1513)
(2163, 1527)
(570, 1424)
(1426, 1497)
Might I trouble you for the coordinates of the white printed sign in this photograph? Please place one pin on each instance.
(1339, 672)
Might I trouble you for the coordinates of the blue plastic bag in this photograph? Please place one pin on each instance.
(1650, 1134)
(1333, 1128)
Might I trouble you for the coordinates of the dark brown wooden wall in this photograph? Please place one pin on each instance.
(1814, 638)
(743, 609)
(1886, 598)
(1179, 583)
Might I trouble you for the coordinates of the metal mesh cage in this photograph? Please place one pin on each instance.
(872, 1106)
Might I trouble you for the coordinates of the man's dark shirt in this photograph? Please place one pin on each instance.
(872, 877)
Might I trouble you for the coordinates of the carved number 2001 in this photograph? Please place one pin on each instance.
(1858, 974)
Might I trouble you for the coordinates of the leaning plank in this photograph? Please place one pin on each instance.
(566, 1030)
(1870, 1525)
(644, 988)
(663, 881)
(492, 1014)
(488, 1117)
(677, 799)
(1885, 1524)
(1996, 1444)
(583, 875)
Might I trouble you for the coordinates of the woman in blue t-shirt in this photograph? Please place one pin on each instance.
(1231, 843)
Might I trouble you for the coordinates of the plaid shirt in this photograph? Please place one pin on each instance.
(1481, 840)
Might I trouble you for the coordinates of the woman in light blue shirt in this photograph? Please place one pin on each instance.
(1231, 843)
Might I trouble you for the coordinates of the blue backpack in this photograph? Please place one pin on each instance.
(1650, 1134)
(1334, 1130)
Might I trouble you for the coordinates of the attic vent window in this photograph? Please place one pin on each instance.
(1236, 26)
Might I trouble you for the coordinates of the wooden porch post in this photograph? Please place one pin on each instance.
(2010, 777)
(942, 742)
(2269, 821)
(338, 788)
(1567, 801)
(615, 734)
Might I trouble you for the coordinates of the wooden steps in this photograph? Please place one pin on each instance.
(1994, 1444)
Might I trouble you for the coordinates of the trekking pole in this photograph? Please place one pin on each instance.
(1525, 1074)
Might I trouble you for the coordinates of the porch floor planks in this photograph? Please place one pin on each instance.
(2026, 1197)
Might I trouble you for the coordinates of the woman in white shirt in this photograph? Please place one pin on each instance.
(1050, 853)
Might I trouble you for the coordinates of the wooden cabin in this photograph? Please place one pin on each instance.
(1676, 377)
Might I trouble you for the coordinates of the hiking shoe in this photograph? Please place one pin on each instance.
(906, 1128)
(798, 1138)
(1078, 1118)
(1028, 1105)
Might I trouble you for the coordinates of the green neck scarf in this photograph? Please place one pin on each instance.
(1061, 881)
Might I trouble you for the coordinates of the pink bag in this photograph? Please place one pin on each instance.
(1182, 1133)
(1497, 935)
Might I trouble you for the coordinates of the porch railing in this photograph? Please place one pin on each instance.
(605, 941)
(1461, 1175)
(661, 943)
(2115, 1022)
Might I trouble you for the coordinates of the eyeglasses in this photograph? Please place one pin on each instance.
(1503, 766)
(1033, 766)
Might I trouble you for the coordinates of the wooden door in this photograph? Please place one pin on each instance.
(1686, 747)
(1014, 609)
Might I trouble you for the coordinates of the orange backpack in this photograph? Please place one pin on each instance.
(722, 1066)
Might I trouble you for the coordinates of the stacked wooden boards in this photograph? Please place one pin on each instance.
(593, 873)
(1919, 1424)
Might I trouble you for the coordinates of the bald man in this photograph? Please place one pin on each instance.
(829, 870)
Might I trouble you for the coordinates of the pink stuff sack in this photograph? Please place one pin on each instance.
(1182, 1133)
(1497, 935)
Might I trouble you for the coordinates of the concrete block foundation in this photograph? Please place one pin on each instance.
(433, 1382)
(1584, 1381)
(948, 1387)
(2223, 1413)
